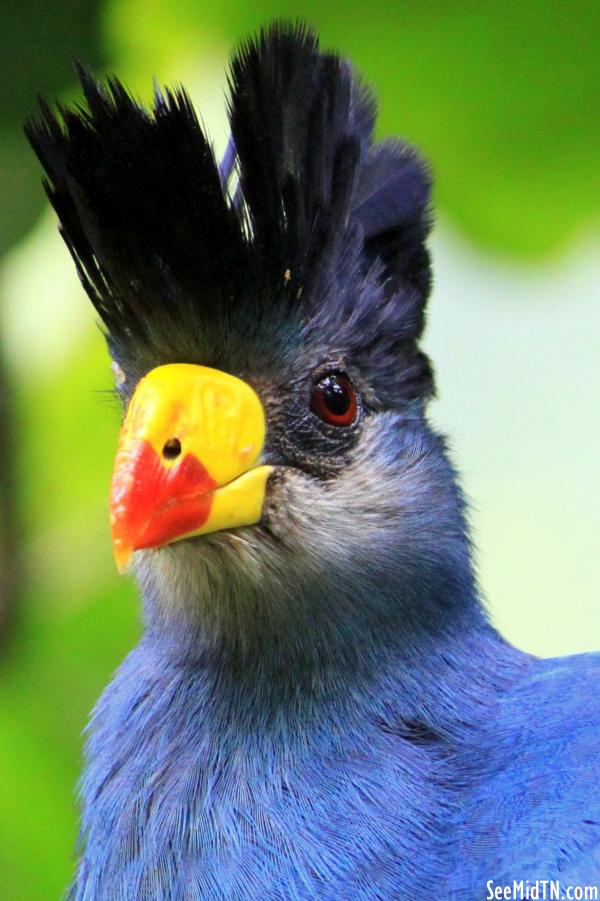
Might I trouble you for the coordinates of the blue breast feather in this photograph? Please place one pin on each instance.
(370, 812)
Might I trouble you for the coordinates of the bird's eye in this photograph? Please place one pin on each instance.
(333, 399)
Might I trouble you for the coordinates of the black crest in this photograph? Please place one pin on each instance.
(164, 238)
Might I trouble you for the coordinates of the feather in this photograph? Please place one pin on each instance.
(164, 252)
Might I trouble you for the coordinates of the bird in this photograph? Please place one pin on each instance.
(320, 705)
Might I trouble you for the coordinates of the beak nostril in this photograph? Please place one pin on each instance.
(172, 448)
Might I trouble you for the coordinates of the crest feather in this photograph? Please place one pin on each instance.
(160, 244)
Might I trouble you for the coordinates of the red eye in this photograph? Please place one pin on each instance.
(333, 399)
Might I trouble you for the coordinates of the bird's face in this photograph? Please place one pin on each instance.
(200, 446)
(205, 451)
(289, 470)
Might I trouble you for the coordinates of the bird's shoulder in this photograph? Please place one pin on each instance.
(534, 809)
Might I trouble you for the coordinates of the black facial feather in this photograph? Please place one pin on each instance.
(327, 230)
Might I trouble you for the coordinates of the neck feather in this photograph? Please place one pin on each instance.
(279, 644)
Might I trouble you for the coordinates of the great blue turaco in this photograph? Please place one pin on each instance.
(319, 706)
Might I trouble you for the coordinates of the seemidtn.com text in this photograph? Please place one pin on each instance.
(540, 890)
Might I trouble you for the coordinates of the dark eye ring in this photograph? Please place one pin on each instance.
(334, 400)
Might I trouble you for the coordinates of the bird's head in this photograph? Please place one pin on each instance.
(275, 473)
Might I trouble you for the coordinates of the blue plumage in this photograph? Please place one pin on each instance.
(534, 812)
(319, 707)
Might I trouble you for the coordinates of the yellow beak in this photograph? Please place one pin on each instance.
(188, 459)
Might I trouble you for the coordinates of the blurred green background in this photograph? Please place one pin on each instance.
(503, 99)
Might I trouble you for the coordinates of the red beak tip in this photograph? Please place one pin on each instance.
(123, 557)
